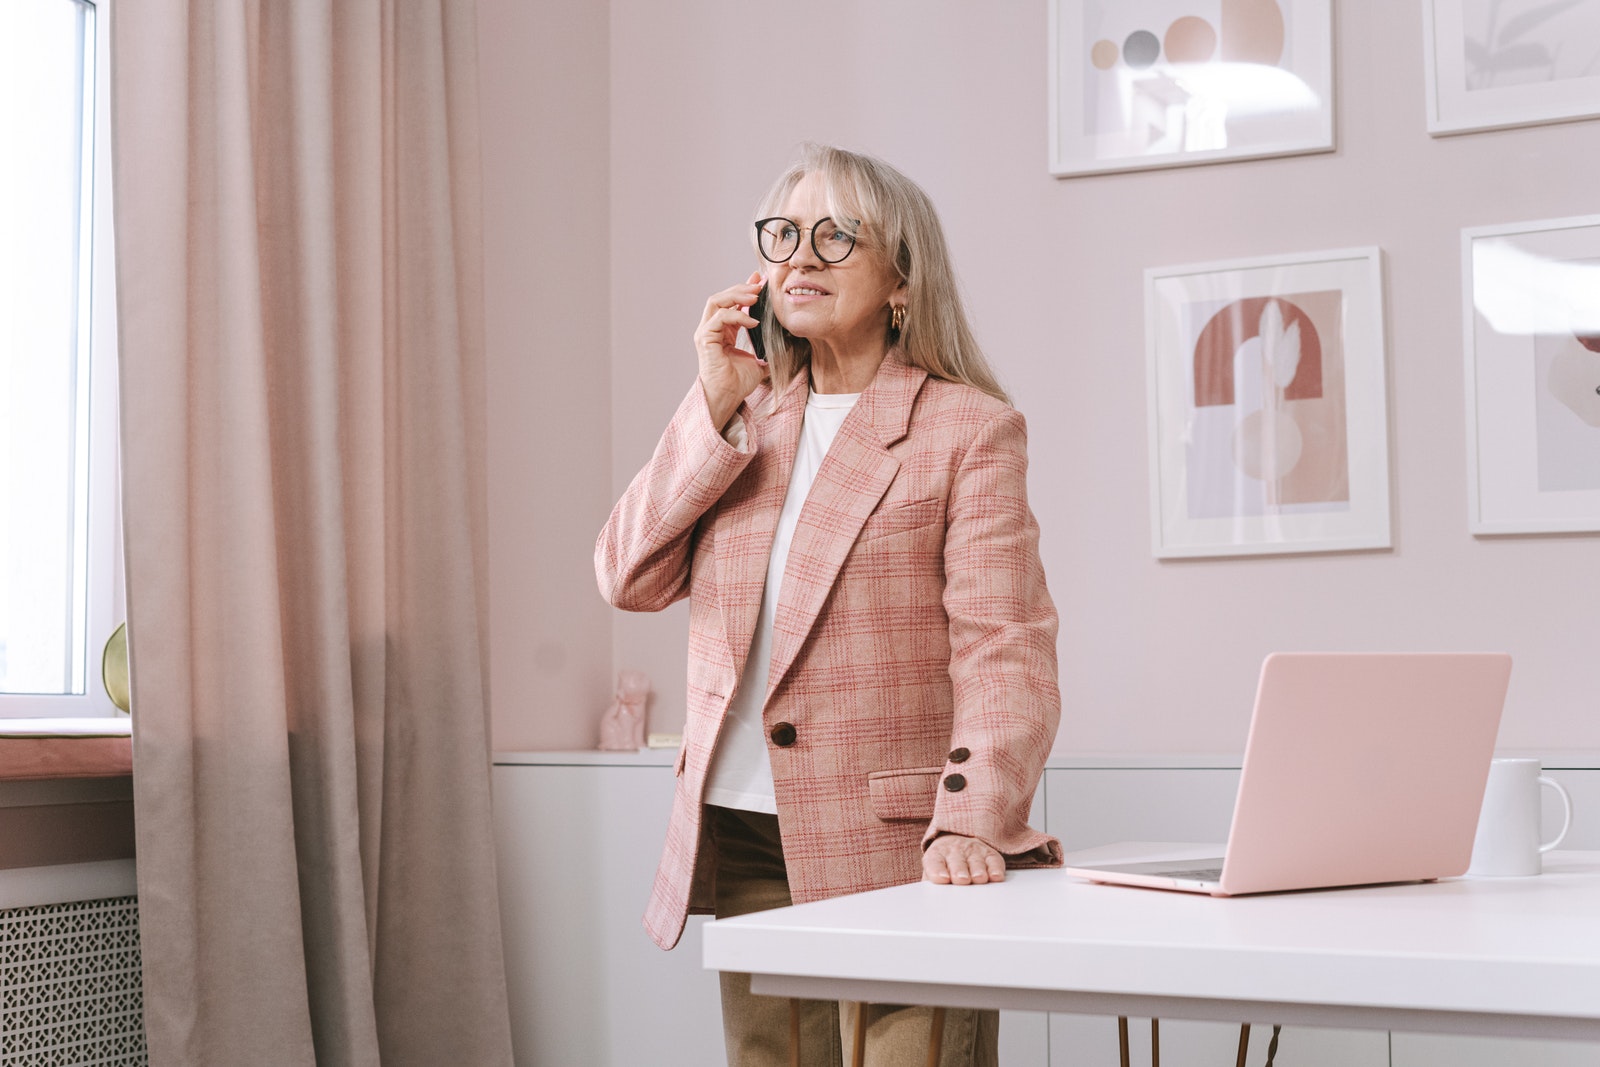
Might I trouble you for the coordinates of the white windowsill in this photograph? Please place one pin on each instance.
(118, 726)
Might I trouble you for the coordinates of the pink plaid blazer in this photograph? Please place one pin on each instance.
(912, 689)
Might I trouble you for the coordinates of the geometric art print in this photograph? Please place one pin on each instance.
(1159, 83)
(1266, 400)
(1267, 430)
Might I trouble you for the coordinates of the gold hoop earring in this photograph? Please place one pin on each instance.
(897, 317)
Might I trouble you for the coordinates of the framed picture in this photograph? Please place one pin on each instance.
(1498, 63)
(1268, 414)
(1160, 83)
(1532, 327)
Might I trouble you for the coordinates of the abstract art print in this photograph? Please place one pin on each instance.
(1498, 63)
(1267, 411)
(1159, 83)
(1531, 306)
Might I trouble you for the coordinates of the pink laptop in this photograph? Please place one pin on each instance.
(1361, 768)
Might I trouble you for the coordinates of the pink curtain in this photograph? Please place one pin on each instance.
(299, 290)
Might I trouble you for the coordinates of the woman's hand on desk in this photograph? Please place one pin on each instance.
(953, 859)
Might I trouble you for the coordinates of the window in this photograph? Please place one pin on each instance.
(60, 574)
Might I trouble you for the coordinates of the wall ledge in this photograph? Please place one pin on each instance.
(32, 887)
(1552, 758)
(645, 757)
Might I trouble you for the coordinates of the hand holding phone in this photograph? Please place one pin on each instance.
(729, 373)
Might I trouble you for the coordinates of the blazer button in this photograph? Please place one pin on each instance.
(960, 755)
(783, 734)
(955, 782)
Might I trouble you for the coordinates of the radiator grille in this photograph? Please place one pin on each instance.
(70, 991)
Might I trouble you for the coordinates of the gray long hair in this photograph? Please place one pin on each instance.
(901, 226)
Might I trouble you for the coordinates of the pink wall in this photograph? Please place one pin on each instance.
(546, 174)
(1156, 657)
(44, 835)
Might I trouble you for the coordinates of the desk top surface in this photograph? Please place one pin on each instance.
(1523, 946)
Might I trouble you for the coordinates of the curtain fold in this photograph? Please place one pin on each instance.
(300, 317)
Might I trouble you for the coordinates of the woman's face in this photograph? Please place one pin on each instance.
(837, 305)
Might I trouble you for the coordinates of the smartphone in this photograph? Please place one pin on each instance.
(758, 311)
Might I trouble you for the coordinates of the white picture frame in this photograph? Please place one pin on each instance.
(1496, 64)
(1531, 323)
(1267, 405)
(1136, 84)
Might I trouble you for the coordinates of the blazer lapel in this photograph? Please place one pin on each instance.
(851, 480)
(748, 514)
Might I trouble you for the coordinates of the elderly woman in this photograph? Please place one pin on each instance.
(872, 664)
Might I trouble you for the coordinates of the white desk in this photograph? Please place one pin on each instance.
(1514, 957)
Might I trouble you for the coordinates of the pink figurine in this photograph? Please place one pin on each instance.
(622, 728)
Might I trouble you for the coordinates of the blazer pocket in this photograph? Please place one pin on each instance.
(904, 794)
(899, 518)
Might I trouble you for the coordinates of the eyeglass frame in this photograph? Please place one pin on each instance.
(759, 223)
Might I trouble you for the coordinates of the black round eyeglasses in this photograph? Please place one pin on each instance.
(778, 239)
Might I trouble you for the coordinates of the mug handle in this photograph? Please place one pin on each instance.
(1566, 819)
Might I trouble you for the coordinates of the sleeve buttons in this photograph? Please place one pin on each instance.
(960, 755)
(955, 783)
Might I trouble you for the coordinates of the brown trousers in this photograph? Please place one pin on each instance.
(751, 877)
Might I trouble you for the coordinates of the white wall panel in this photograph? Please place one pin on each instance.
(1089, 807)
(577, 853)
(1434, 1050)
(1091, 1041)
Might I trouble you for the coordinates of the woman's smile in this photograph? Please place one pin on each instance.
(805, 293)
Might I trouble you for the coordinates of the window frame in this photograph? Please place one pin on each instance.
(99, 460)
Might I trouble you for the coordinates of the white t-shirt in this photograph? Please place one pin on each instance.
(741, 774)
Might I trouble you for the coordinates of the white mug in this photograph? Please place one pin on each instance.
(1508, 845)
